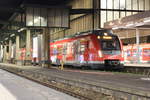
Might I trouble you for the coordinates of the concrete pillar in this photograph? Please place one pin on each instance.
(137, 43)
(5, 53)
(1, 53)
(28, 57)
(10, 51)
(17, 50)
(45, 48)
(4, 56)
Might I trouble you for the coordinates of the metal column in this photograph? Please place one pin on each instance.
(4, 58)
(45, 48)
(1, 53)
(10, 50)
(137, 44)
(17, 49)
(28, 48)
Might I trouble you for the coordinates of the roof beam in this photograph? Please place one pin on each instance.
(8, 31)
(13, 23)
(80, 11)
(11, 9)
(90, 10)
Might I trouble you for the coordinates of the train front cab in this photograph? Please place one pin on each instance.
(109, 51)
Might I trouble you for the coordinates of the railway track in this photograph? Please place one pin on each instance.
(81, 97)
(138, 70)
(127, 69)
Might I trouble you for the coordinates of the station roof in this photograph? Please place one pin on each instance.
(8, 7)
(140, 20)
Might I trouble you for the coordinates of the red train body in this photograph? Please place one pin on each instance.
(98, 49)
(130, 53)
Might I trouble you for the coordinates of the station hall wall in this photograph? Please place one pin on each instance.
(112, 9)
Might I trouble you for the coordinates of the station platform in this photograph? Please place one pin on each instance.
(137, 65)
(127, 83)
(13, 87)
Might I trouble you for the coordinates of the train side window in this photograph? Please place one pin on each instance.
(75, 47)
(60, 50)
(82, 47)
(146, 52)
(64, 51)
(55, 51)
(134, 52)
(87, 44)
(140, 52)
(72, 49)
(128, 52)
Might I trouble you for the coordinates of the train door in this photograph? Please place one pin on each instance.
(64, 52)
(81, 52)
(77, 52)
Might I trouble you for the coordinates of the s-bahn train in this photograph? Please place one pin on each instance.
(131, 53)
(95, 49)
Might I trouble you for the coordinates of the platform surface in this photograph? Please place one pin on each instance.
(13, 87)
(137, 65)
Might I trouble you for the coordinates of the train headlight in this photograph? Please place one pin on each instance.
(100, 53)
(98, 37)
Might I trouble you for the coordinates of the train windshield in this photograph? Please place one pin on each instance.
(110, 44)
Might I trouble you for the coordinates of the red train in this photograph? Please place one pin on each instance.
(95, 49)
(130, 53)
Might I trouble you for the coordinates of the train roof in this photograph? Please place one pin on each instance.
(97, 32)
